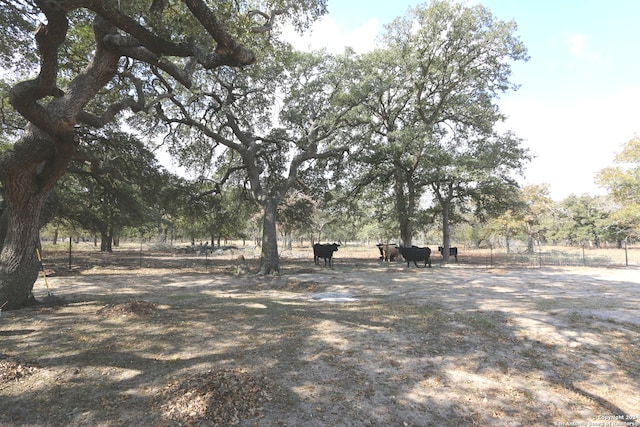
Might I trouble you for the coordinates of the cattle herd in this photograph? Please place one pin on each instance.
(388, 252)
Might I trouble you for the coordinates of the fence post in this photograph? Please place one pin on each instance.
(626, 255)
(491, 256)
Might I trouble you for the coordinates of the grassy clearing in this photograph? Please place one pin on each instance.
(460, 345)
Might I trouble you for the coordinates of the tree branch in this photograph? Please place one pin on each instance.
(228, 52)
(269, 19)
(218, 185)
(24, 95)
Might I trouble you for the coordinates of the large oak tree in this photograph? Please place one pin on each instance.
(135, 45)
(269, 123)
(435, 80)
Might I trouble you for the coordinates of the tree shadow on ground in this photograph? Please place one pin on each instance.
(407, 358)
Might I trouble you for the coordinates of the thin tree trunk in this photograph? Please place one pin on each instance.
(507, 240)
(106, 240)
(270, 262)
(446, 230)
(530, 239)
(402, 209)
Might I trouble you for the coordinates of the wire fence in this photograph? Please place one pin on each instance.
(547, 256)
(144, 254)
(560, 258)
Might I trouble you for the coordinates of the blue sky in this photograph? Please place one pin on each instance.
(578, 100)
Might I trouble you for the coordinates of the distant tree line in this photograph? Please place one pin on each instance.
(586, 220)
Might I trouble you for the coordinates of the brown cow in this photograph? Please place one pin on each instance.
(388, 252)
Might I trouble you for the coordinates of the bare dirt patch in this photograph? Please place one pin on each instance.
(362, 344)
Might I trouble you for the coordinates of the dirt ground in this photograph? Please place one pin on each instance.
(361, 344)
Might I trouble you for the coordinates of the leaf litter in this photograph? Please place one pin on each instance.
(451, 346)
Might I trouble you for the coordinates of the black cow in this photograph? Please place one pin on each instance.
(388, 252)
(452, 252)
(416, 254)
(324, 251)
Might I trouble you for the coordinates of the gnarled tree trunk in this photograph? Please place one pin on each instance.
(27, 182)
(18, 260)
(30, 169)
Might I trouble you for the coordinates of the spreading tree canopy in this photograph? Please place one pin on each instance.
(119, 187)
(432, 93)
(268, 123)
(86, 62)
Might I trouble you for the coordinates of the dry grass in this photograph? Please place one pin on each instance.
(168, 345)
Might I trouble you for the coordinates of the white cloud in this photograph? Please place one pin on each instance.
(326, 33)
(578, 48)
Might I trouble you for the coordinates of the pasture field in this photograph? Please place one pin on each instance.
(144, 337)
(184, 255)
